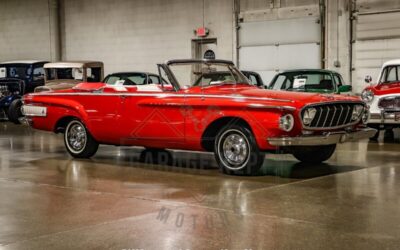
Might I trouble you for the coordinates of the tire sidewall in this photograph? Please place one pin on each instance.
(254, 159)
(219, 145)
(69, 148)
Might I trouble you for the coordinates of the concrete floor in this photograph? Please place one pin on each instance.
(115, 201)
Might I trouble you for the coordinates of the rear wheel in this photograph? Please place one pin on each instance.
(237, 152)
(78, 141)
(14, 111)
(314, 154)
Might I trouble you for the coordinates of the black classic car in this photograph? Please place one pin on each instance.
(16, 79)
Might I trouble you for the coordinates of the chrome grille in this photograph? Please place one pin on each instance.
(391, 102)
(330, 116)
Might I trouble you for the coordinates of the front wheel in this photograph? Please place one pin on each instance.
(78, 141)
(314, 154)
(237, 152)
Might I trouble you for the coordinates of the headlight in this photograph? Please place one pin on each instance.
(286, 122)
(367, 95)
(309, 115)
(357, 112)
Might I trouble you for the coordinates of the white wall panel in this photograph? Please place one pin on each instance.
(378, 26)
(135, 35)
(295, 56)
(303, 30)
(377, 39)
(259, 58)
(24, 30)
(369, 56)
(367, 6)
(268, 47)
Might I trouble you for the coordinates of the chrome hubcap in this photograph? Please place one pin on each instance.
(76, 137)
(235, 149)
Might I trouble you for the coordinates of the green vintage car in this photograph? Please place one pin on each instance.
(310, 80)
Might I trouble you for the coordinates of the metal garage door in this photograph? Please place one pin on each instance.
(268, 47)
(377, 39)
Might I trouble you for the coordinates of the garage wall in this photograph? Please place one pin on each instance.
(25, 30)
(376, 38)
(135, 35)
(279, 35)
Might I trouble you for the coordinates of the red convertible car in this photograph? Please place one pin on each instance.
(227, 115)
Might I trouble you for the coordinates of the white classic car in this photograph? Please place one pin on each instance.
(384, 98)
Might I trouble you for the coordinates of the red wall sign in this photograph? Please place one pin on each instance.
(201, 32)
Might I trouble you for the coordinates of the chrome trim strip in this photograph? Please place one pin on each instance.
(162, 95)
(383, 118)
(333, 116)
(326, 118)
(320, 115)
(340, 115)
(328, 139)
(290, 108)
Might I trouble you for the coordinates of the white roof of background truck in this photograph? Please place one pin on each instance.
(73, 64)
(23, 62)
(391, 62)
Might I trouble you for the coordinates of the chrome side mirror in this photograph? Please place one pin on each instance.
(368, 79)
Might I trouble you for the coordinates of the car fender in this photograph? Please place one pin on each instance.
(63, 108)
(263, 123)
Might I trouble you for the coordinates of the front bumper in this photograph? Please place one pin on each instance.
(385, 118)
(319, 140)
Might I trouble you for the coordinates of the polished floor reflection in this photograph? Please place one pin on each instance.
(128, 198)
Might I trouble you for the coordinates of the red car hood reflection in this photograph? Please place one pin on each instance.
(295, 98)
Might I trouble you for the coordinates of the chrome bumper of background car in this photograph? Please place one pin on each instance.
(328, 139)
(385, 118)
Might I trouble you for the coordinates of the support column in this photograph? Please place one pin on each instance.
(54, 30)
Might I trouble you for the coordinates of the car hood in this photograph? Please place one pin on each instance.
(297, 99)
(385, 89)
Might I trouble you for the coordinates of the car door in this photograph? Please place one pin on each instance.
(151, 116)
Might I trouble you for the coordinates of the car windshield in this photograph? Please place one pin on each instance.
(126, 79)
(16, 71)
(390, 74)
(303, 81)
(64, 73)
(206, 74)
